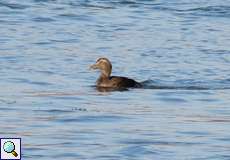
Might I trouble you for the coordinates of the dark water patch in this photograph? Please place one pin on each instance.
(137, 151)
(59, 111)
(194, 133)
(93, 119)
(97, 6)
(4, 40)
(13, 5)
(7, 108)
(225, 139)
(63, 97)
(43, 19)
(209, 11)
(10, 133)
(209, 100)
(56, 95)
(215, 52)
(105, 5)
(189, 84)
(32, 156)
(27, 81)
(73, 40)
(76, 17)
(173, 99)
(133, 3)
(9, 12)
(140, 142)
(45, 0)
(42, 43)
(11, 58)
(219, 156)
(38, 83)
(149, 84)
(163, 8)
(68, 155)
(127, 2)
(175, 87)
(46, 72)
(180, 94)
(50, 144)
(35, 149)
(10, 22)
(59, 8)
(222, 111)
(103, 48)
(108, 157)
(7, 102)
(208, 119)
(79, 109)
(219, 120)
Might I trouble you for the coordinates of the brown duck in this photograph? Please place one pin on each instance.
(107, 81)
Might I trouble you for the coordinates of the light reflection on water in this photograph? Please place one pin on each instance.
(179, 50)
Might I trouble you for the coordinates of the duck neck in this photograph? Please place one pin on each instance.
(104, 75)
(102, 79)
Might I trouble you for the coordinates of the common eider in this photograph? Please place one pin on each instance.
(107, 81)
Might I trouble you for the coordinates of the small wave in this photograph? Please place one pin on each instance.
(211, 11)
(215, 52)
(43, 19)
(176, 87)
(60, 111)
(124, 2)
(3, 101)
(93, 119)
(13, 5)
(77, 17)
(212, 85)
(27, 81)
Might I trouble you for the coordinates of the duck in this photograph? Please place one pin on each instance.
(105, 79)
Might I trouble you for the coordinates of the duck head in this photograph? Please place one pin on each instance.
(104, 65)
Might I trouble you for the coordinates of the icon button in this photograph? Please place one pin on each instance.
(10, 149)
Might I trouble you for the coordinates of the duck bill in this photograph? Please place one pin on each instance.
(94, 66)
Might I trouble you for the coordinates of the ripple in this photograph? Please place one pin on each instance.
(3, 101)
(27, 81)
(185, 84)
(73, 16)
(43, 19)
(13, 5)
(211, 11)
(60, 111)
(140, 142)
(93, 119)
(137, 151)
(73, 40)
(209, 119)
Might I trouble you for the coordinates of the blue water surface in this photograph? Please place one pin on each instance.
(180, 51)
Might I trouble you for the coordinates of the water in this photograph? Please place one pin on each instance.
(179, 49)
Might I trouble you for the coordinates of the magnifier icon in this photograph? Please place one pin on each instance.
(9, 147)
